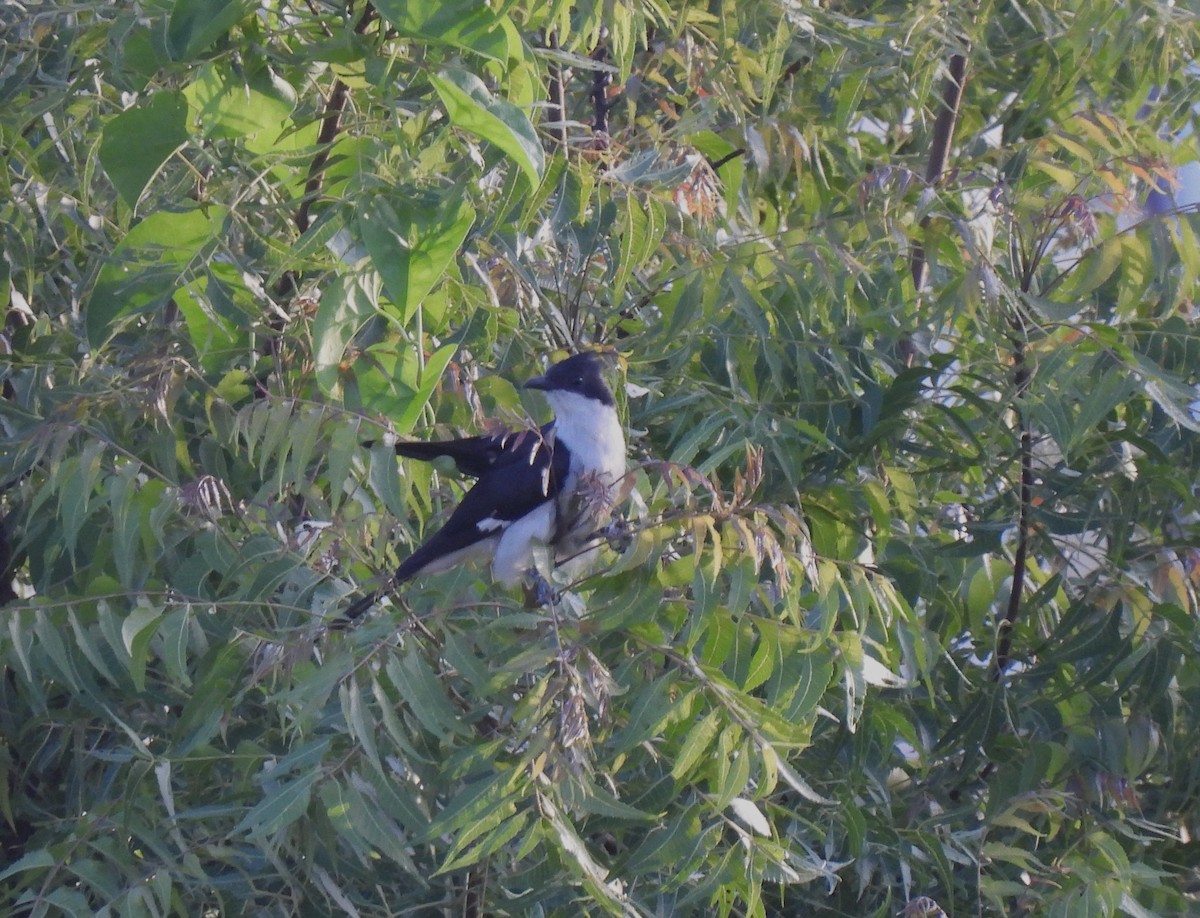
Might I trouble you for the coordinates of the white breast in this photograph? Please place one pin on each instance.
(593, 434)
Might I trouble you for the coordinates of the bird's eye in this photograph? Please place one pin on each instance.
(579, 380)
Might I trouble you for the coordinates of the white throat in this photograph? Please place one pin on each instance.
(592, 432)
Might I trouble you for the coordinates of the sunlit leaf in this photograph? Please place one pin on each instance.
(472, 108)
(465, 25)
(412, 245)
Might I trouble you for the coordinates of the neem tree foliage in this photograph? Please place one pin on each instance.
(906, 615)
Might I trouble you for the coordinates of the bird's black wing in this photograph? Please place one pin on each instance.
(516, 476)
(475, 456)
(521, 479)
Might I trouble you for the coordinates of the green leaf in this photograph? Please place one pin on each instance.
(215, 334)
(253, 110)
(431, 376)
(461, 23)
(573, 846)
(472, 108)
(412, 245)
(792, 777)
(77, 480)
(135, 144)
(1176, 398)
(697, 742)
(196, 24)
(347, 303)
(767, 657)
(355, 713)
(176, 635)
(474, 802)
(33, 860)
(589, 797)
(423, 693)
(356, 817)
(732, 768)
(148, 266)
(137, 630)
(343, 446)
(642, 226)
(282, 806)
(651, 712)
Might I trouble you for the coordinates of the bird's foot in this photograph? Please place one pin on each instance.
(616, 534)
(357, 608)
(538, 591)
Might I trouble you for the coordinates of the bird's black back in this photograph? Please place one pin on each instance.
(475, 456)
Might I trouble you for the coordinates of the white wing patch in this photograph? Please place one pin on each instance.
(491, 524)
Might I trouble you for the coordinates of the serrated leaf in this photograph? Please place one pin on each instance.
(697, 742)
(385, 482)
(347, 303)
(276, 436)
(50, 640)
(343, 446)
(573, 846)
(175, 634)
(282, 806)
(733, 769)
(32, 860)
(306, 432)
(85, 641)
(431, 376)
(423, 694)
(750, 816)
(767, 656)
(365, 819)
(471, 804)
(792, 777)
(650, 712)
(588, 797)
(355, 713)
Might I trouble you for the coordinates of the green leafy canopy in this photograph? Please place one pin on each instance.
(903, 617)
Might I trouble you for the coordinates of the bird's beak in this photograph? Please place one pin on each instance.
(538, 382)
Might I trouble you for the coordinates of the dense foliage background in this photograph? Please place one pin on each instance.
(908, 353)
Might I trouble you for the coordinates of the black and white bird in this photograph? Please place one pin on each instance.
(549, 486)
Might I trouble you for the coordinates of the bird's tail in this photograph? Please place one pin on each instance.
(471, 454)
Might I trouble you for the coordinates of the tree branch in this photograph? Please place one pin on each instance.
(939, 150)
(557, 110)
(1004, 632)
(600, 103)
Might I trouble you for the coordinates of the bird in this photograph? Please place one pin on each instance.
(553, 485)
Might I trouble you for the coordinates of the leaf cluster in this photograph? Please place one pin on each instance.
(902, 616)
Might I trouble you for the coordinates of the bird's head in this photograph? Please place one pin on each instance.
(577, 377)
